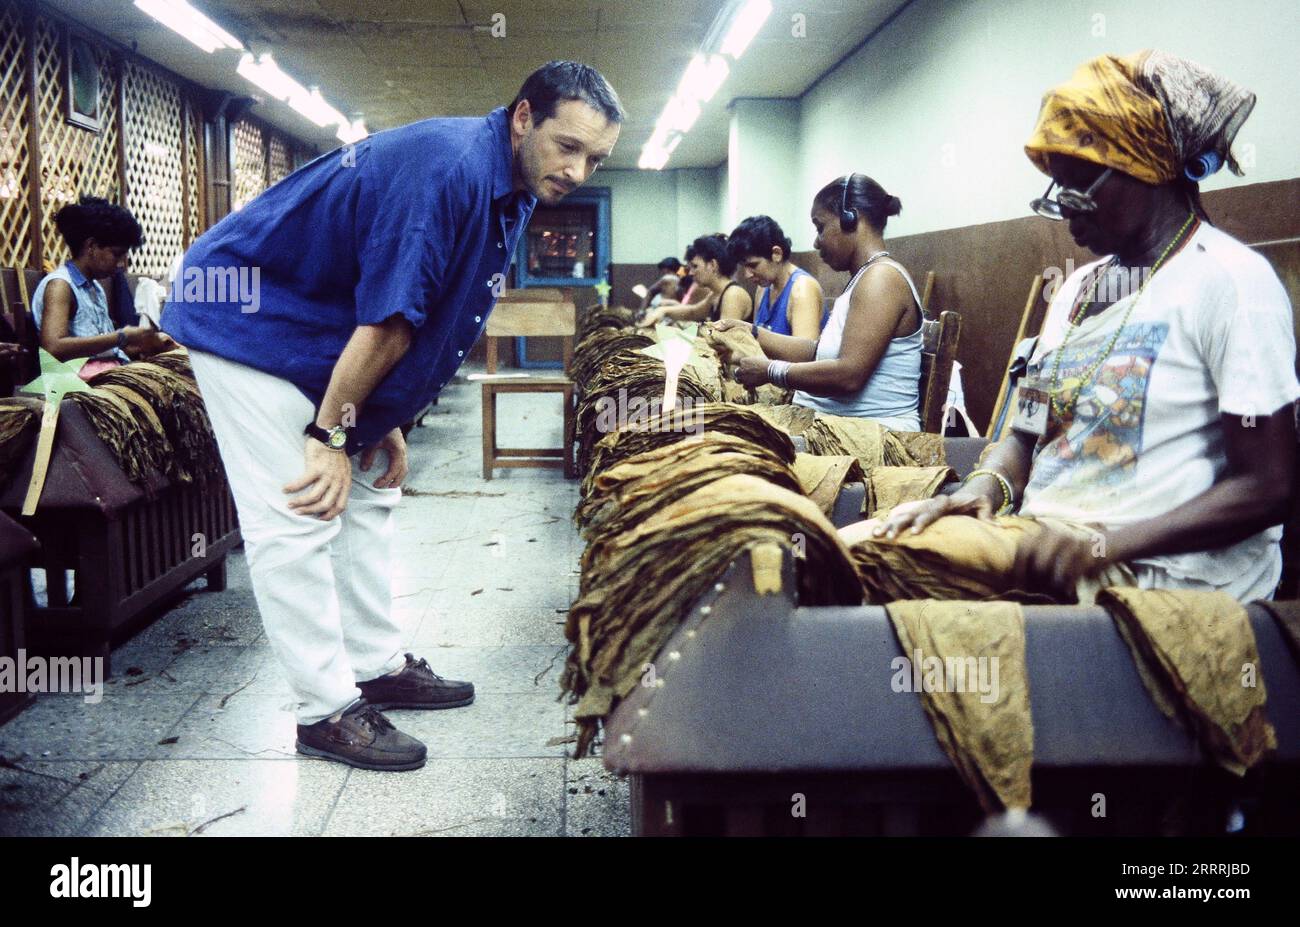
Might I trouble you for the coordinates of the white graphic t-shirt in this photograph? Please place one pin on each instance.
(1211, 335)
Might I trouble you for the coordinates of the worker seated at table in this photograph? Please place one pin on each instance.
(1157, 409)
(70, 307)
(791, 299)
(668, 286)
(717, 295)
(866, 362)
(687, 287)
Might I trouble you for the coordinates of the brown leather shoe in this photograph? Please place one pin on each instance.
(416, 686)
(364, 738)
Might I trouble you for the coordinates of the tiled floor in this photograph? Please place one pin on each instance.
(194, 734)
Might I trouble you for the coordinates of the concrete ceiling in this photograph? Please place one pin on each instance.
(397, 61)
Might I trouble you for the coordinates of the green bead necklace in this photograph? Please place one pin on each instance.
(1059, 408)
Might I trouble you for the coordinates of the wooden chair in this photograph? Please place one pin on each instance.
(15, 311)
(939, 339)
(518, 313)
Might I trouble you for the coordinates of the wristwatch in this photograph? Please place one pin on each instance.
(336, 438)
(121, 339)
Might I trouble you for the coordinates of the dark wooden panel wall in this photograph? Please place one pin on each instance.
(985, 271)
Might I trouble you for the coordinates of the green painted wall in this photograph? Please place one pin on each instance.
(937, 106)
(658, 213)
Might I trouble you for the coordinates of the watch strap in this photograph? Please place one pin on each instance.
(323, 434)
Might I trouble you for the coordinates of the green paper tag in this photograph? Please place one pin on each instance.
(57, 378)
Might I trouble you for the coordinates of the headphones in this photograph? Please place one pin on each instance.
(848, 217)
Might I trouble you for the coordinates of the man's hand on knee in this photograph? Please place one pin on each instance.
(394, 446)
(324, 484)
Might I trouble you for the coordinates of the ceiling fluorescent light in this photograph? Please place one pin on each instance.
(186, 21)
(352, 132)
(749, 19)
(263, 72)
(653, 160)
(703, 77)
(654, 155)
(681, 114)
(314, 106)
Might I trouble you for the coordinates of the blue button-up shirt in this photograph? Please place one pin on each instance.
(419, 220)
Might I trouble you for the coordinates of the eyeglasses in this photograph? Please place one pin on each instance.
(1074, 200)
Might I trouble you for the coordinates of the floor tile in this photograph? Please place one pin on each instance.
(40, 798)
(222, 798)
(467, 798)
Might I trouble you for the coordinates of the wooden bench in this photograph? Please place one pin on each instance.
(131, 548)
(523, 313)
(763, 707)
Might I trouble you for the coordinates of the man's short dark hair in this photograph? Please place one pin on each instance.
(557, 81)
(669, 265)
(109, 224)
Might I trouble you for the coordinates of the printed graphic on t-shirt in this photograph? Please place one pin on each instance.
(1098, 441)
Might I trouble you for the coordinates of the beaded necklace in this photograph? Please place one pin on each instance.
(1057, 406)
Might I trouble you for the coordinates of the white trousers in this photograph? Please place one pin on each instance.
(323, 588)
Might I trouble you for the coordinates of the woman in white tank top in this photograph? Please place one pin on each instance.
(867, 362)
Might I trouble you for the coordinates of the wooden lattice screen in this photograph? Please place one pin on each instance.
(154, 127)
(73, 160)
(249, 163)
(149, 153)
(279, 161)
(15, 160)
(194, 179)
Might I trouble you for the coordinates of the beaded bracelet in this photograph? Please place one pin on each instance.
(777, 371)
(1003, 482)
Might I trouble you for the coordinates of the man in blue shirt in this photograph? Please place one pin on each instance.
(324, 315)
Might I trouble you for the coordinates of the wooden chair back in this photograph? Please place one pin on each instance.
(1284, 255)
(18, 324)
(516, 316)
(939, 338)
(531, 295)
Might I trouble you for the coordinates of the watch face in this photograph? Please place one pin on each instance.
(338, 438)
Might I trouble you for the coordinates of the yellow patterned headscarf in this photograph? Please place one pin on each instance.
(1147, 114)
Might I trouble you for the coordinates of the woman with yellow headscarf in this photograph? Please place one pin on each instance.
(1155, 440)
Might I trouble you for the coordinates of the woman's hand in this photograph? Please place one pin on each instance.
(916, 516)
(726, 325)
(324, 484)
(653, 317)
(1054, 559)
(751, 372)
(395, 446)
(143, 341)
